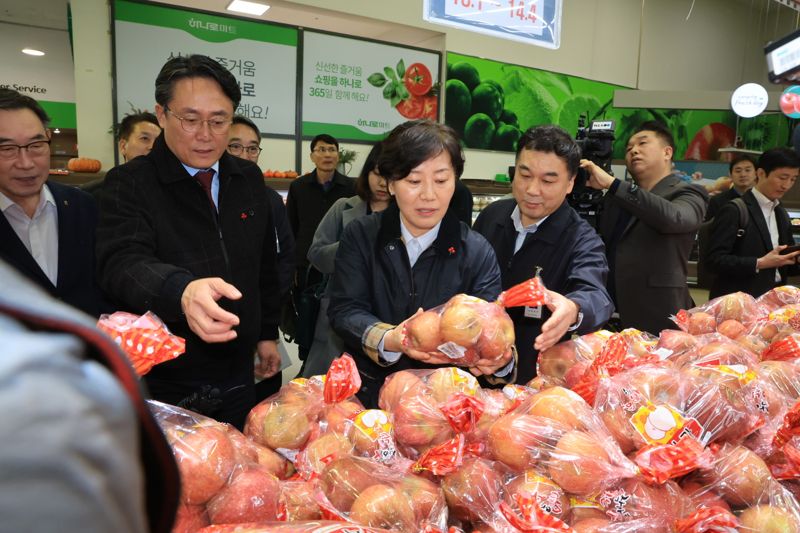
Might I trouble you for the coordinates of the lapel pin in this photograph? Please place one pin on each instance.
(452, 250)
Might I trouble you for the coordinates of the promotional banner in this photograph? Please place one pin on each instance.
(359, 90)
(50, 78)
(491, 103)
(262, 57)
(529, 21)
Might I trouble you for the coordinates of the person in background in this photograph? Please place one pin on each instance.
(244, 141)
(649, 227)
(414, 255)
(537, 230)
(81, 451)
(187, 232)
(47, 229)
(137, 133)
(372, 196)
(310, 197)
(754, 262)
(743, 176)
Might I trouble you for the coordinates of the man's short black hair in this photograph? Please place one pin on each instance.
(241, 119)
(775, 158)
(195, 66)
(11, 100)
(130, 121)
(412, 143)
(554, 140)
(324, 137)
(660, 130)
(738, 158)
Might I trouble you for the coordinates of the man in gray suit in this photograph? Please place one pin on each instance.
(649, 227)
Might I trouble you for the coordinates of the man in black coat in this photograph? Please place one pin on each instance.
(187, 232)
(743, 175)
(47, 229)
(753, 262)
(537, 231)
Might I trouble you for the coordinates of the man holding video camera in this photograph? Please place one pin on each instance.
(756, 258)
(649, 227)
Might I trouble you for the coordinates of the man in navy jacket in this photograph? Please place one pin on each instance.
(47, 229)
(537, 231)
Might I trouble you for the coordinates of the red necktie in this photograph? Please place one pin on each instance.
(204, 178)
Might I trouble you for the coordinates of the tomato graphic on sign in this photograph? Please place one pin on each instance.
(410, 91)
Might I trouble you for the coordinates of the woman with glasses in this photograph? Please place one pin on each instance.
(415, 254)
(372, 196)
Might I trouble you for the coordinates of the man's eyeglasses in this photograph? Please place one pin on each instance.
(326, 150)
(217, 125)
(237, 149)
(36, 148)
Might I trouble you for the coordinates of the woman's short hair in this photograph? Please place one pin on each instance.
(412, 143)
(370, 165)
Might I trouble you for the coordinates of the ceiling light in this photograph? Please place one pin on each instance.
(250, 8)
(32, 52)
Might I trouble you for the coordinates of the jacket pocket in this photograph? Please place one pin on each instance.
(666, 279)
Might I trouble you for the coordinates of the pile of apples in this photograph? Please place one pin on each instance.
(289, 174)
(696, 429)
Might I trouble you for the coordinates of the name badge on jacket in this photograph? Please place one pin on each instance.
(533, 312)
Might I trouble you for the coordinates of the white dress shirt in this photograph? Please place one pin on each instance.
(39, 234)
(214, 181)
(768, 209)
(523, 231)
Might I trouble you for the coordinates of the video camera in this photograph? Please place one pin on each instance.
(596, 143)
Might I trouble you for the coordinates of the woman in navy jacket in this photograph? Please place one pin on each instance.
(415, 254)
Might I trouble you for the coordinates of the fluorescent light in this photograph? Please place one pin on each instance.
(250, 8)
(32, 52)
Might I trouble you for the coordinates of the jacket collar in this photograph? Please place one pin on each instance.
(170, 169)
(448, 242)
(549, 231)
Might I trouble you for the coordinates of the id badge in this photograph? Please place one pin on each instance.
(533, 312)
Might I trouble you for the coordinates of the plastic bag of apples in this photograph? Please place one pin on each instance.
(467, 329)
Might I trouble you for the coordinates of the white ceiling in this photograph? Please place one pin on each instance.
(53, 14)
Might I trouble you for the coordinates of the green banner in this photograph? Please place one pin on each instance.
(62, 114)
(207, 27)
(492, 103)
(340, 131)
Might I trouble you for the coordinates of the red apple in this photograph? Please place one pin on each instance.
(251, 496)
(562, 405)
(419, 423)
(706, 143)
(205, 457)
(445, 382)
(286, 426)
(473, 491)
(461, 322)
(395, 386)
(790, 103)
(520, 441)
(579, 464)
(701, 322)
(426, 497)
(275, 463)
(558, 359)
(254, 425)
(383, 506)
(297, 501)
(344, 479)
(322, 451)
(731, 328)
(740, 476)
(676, 341)
(423, 331)
(591, 525)
(547, 495)
(573, 376)
(703, 495)
(339, 416)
